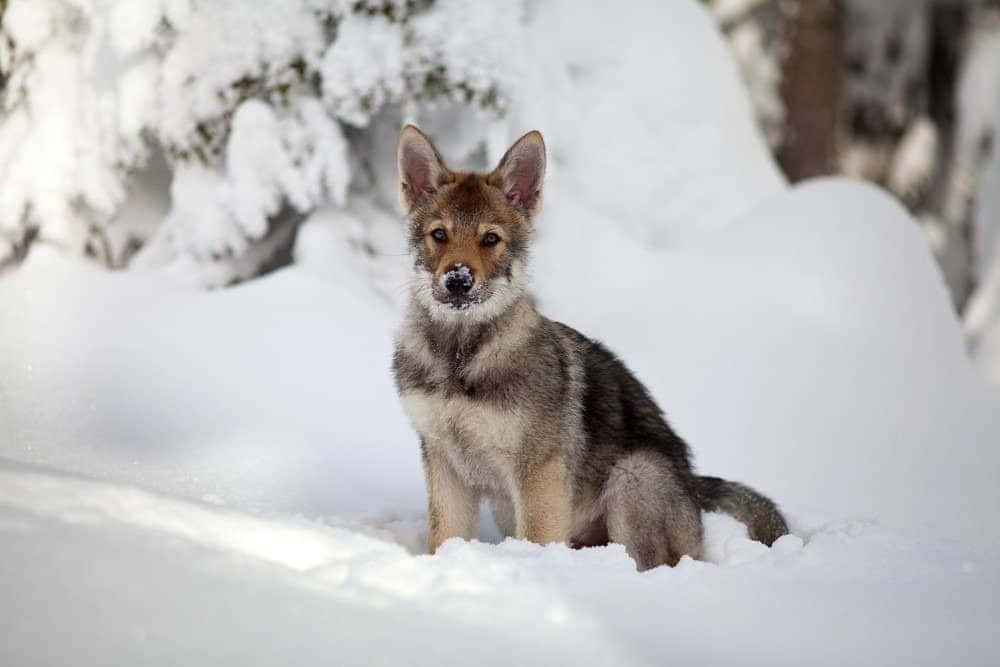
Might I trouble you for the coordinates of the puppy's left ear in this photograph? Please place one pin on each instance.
(521, 172)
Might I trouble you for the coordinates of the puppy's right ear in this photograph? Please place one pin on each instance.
(421, 170)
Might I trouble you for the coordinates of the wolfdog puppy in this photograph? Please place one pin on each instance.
(546, 424)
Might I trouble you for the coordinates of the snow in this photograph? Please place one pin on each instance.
(216, 603)
(248, 443)
(226, 477)
(67, 152)
(363, 69)
(758, 53)
(665, 193)
(737, 313)
(469, 49)
(299, 159)
(217, 88)
(226, 44)
(230, 588)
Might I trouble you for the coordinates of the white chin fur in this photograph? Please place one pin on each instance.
(505, 293)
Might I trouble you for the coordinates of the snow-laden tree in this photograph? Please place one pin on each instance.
(755, 31)
(259, 109)
(899, 92)
(974, 187)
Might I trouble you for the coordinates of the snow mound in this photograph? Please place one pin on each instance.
(809, 350)
(646, 132)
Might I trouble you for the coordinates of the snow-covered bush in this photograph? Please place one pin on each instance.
(250, 103)
(62, 151)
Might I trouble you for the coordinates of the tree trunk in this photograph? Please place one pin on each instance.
(811, 89)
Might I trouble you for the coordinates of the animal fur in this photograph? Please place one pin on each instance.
(547, 425)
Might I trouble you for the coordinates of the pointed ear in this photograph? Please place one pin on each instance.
(521, 171)
(421, 170)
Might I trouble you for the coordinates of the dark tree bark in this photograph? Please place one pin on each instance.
(812, 76)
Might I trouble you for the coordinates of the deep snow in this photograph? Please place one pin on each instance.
(227, 478)
(97, 576)
(807, 359)
(809, 363)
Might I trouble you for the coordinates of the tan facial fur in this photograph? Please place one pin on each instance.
(465, 245)
(453, 216)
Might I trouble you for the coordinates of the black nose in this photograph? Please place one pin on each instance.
(458, 281)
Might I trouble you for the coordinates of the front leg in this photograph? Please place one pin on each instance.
(544, 507)
(452, 506)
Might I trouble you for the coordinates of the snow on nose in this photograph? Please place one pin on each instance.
(458, 280)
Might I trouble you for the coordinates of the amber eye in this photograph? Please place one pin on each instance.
(439, 235)
(491, 240)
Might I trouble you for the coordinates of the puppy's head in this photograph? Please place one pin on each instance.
(469, 232)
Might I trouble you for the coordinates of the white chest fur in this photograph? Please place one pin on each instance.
(480, 439)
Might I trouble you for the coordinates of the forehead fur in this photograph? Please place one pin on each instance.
(469, 200)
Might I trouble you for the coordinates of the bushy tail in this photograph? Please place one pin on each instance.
(761, 516)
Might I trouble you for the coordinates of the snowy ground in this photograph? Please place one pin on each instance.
(226, 477)
(103, 573)
(236, 481)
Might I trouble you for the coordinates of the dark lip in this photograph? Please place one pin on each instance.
(459, 302)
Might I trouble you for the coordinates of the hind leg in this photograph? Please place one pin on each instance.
(650, 512)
